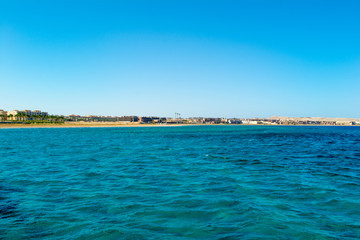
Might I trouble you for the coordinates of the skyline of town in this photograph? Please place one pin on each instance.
(37, 116)
(175, 115)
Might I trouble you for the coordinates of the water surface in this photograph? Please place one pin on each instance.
(192, 182)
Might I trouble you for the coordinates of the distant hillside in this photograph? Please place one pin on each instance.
(326, 119)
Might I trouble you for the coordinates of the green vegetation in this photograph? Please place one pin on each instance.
(35, 119)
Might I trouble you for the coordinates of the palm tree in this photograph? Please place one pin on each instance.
(22, 116)
(18, 116)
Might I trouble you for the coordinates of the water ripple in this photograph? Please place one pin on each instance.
(213, 182)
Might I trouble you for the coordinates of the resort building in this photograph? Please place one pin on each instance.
(38, 112)
(2, 115)
(249, 122)
(12, 115)
(34, 113)
(25, 114)
(13, 112)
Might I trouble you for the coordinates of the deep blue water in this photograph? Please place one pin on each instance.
(211, 182)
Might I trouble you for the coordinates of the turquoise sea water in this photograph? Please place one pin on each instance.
(211, 182)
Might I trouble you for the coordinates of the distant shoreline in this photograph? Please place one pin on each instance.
(109, 125)
(78, 125)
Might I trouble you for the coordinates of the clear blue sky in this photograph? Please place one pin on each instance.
(199, 58)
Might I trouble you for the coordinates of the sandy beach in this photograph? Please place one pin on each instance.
(92, 124)
(77, 125)
(115, 124)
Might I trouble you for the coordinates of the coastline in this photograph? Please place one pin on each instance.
(78, 125)
(109, 125)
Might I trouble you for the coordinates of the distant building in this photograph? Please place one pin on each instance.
(212, 120)
(343, 123)
(152, 120)
(13, 112)
(2, 115)
(12, 115)
(249, 122)
(128, 119)
(38, 112)
(24, 114)
(146, 119)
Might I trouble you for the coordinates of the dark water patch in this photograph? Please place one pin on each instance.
(8, 206)
(7, 209)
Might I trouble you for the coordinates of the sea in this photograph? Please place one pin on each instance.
(180, 182)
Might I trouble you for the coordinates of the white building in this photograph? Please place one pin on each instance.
(13, 112)
(249, 122)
